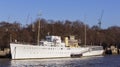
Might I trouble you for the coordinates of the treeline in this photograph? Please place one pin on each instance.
(16, 32)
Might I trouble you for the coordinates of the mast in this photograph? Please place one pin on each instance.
(38, 32)
(85, 35)
(38, 38)
(85, 30)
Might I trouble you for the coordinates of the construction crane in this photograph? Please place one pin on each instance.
(100, 19)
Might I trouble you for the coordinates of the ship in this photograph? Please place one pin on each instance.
(51, 47)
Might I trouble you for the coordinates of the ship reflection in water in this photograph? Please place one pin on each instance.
(96, 61)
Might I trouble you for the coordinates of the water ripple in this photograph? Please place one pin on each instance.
(106, 61)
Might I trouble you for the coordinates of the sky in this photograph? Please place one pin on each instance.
(88, 11)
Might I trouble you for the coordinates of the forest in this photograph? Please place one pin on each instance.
(12, 32)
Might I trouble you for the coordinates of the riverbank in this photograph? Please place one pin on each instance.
(112, 50)
(5, 53)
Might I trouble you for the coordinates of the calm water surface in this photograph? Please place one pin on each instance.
(96, 61)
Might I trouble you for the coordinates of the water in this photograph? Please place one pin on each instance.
(96, 61)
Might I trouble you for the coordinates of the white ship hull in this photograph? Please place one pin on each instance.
(19, 51)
